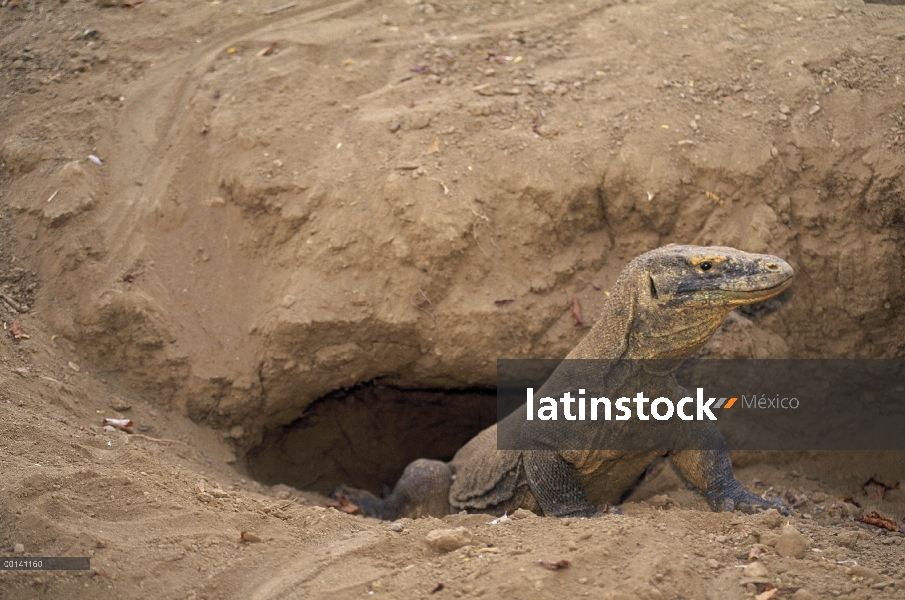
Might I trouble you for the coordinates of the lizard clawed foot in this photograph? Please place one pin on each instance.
(609, 509)
(738, 498)
(348, 499)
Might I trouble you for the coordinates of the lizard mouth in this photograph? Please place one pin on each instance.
(755, 295)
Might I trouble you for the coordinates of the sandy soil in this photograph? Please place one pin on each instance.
(307, 236)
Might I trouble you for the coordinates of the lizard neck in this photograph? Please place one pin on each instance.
(650, 339)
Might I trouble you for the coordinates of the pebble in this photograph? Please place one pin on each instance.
(396, 526)
(771, 518)
(848, 539)
(447, 540)
(522, 513)
(755, 570)
(661, 500)
(120, 405)
(791, 544)
(866, 572)
(287, 301)
(19, 549)
(713, 563)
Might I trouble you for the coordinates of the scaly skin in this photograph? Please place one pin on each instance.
(665, 305)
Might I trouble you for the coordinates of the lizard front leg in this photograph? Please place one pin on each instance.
(711, 472)
(555, 485)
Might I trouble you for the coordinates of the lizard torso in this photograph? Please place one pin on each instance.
(637, 324)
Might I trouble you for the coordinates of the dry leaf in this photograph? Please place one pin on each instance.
(577, 321)
(712, 196)
(267, 51)
(555, 566)
(874, 483)
(343, 504)
(877, 520)
(124, 424)
(768, 595)
(15, 328)
(249, 538)
(756, 552)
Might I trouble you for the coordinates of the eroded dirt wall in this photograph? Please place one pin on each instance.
(404, 192)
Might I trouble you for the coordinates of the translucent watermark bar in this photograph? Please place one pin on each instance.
(790, 404)
(45, 563)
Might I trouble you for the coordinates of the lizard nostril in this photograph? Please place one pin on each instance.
(773, 267)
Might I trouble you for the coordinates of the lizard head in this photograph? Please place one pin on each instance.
(667, 303)
(684, 293)
(713, 277)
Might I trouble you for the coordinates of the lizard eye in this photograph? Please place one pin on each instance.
(706, 265)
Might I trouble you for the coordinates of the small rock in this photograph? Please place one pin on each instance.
(848, 539)
(120, 405)
(396, 526)
(661, 501)
(19, 549)
(447, 540)
(755, 570)
(791, 543)
(768, 538)
(850, 510)
(784, 109)
(479, 109)
(712, 563)
(869, 575)
(281, 491)
(771, 518)
(522, 513)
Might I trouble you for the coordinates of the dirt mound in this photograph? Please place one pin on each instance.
(259, 221)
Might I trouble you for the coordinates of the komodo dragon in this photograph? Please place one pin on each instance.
(665, 305)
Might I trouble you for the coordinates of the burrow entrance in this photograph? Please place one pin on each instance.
(366, 436)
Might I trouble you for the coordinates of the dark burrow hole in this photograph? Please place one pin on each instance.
(365, 436)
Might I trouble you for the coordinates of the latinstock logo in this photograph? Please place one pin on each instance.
(661, 409)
